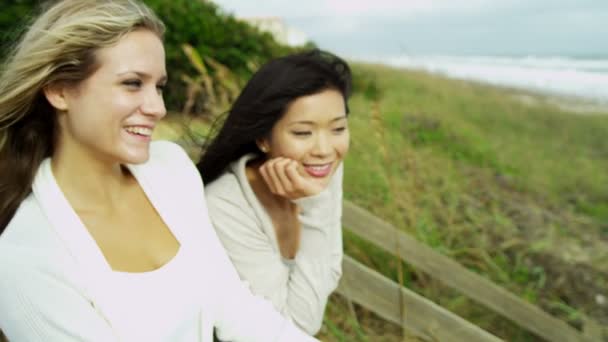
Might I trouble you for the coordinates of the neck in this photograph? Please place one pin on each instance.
(87, 179)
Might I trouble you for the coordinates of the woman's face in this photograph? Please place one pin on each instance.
(314, 132)
(112, 113)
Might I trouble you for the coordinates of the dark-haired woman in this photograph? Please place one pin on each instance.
(274, 182)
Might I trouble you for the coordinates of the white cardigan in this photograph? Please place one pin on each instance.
(56, 285)
(298, 288)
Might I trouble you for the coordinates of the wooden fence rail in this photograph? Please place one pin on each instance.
(421, 316)
(454, 275)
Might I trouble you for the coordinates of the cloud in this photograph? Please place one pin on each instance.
(349, 8)
(389, 27)
(401, 8)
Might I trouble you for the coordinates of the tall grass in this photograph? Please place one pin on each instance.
(510, 190)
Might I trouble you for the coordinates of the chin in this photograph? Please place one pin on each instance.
(136, 161)
(324, 182)
(139, 159)
(135, 156)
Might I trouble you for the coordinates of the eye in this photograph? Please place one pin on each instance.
(339, 129)
(160, 88)
(133, 83)
(301, 133)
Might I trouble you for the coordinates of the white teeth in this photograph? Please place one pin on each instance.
(139, 130)
(319, 168)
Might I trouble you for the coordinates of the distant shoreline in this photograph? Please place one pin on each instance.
(566, 103)
(573, 84)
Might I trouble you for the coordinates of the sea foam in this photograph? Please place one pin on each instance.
(583, 78)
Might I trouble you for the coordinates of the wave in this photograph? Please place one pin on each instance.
(577, 77)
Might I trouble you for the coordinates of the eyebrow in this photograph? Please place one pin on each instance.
(314, 123)
(143, 75)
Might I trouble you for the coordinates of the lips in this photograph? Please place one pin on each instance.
(318, 170)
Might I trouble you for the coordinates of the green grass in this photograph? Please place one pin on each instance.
(486, 179)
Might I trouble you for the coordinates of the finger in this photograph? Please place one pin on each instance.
(294, 175)
(277, 175)
(280, 168)
(266, 177)
(301, 171)
(274, 178)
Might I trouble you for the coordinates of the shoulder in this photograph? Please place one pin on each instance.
(225, 195)
(169, 163)
(225, 186)
(228, 198)
(231, 184)
(166, 159)
(163, 151)
(30, 249)
(29, 230)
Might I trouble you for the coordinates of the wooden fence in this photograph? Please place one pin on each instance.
(422, 317)
(428, 320)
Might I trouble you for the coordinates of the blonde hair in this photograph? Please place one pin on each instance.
(58, 47)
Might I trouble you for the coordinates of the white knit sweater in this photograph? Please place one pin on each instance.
(298, 288)
(56, 285)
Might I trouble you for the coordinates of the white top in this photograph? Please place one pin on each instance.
(56, 285)
(298, 288)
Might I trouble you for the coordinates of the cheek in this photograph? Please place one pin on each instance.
(98, 120)
(291, 151)
(342, 144)
(85, 127)
(123, 104)
(82, 117)
(288, 147)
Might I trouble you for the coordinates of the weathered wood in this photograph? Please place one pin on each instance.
(593, 331)
(422, 317)
(454, 275)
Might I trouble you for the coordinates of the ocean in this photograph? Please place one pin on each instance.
(584, 78)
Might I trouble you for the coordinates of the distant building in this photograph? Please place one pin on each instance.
(279, 30)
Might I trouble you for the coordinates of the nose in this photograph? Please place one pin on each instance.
(322, 145)
(154, 104)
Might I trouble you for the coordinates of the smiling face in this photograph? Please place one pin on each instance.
(314, 132)
(112, 113)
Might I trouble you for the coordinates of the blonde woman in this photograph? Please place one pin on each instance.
(94, 245)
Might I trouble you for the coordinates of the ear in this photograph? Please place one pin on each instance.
(56, 95)
(263, 145)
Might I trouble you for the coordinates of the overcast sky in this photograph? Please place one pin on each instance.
(378, 28)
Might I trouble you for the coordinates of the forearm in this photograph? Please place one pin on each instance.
(316, 269)
(243, 316)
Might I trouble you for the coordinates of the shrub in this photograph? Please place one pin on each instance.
(14, 16)
(213, 33)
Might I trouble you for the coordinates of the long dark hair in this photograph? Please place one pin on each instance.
(58, 48)
(265, 99)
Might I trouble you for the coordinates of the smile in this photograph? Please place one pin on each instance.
(140, 131)
(318, 170)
